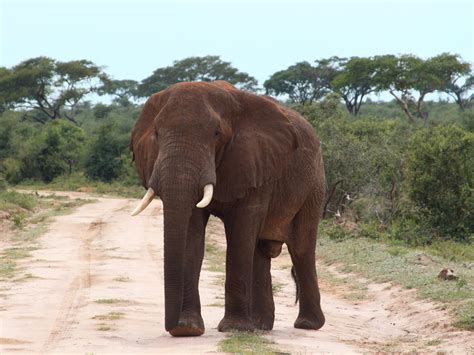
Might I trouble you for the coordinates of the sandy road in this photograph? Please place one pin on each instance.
(98, 288)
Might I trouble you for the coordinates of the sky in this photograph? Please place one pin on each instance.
(132, 38)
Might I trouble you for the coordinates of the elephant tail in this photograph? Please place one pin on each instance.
(297, 285)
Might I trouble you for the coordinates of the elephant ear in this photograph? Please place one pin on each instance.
(143, 142)
(261, 147)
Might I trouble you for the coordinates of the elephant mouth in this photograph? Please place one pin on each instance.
(150, 195)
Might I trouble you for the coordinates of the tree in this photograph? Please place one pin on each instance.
(206, 68)
(354, 80)
(104, 156)
(458, 79)
(123, 90)
(49, 87)
(409, 79)
(302, 82)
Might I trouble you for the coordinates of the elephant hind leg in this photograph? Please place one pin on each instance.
(263, 306)
(302, 247)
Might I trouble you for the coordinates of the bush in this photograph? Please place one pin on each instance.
(440, 173)
(104, 160)
(11, 168)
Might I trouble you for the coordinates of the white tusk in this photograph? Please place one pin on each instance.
(146, 200)
(206, 199)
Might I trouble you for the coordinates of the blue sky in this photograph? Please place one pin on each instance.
(133, 38)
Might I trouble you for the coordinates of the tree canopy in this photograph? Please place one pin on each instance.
(206, 68)
(50, 89)
(302, 82)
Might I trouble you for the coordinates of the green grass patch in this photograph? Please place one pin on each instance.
(353, 289)
(122, 279)
(215, 257)
(110, 316)
(7, 269)
(110, 301)
(412, 268)
(16, 253)
(277, 287)
(104, 327)
(465, 316)
(246, 342)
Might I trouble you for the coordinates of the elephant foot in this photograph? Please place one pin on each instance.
(305, 322)
(189, 325)
(228, 324)
(263, 320)
(263, 324)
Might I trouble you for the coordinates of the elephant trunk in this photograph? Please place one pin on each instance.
(179, 193)
(176, 220)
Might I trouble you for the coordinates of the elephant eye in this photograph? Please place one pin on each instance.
(217, 133)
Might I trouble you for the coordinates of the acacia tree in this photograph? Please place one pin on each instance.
(49, 87)
(206, 68)
(409, 79)
(123, 90)
(353, 80)
(458, 79)
(302, 82)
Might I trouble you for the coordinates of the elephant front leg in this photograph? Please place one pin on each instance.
(190, 321)
(241, 232)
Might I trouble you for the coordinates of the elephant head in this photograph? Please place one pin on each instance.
(195, 143)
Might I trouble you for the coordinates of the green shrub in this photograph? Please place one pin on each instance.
(11, 168)
(410, 232)
(12, 199)
(104, 160)
(440, 173)
(335, 232)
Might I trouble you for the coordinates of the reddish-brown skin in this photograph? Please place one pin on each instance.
(266, 165)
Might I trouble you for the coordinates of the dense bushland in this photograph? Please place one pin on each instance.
(402, 169)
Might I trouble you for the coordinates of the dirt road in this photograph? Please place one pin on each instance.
(97, 287)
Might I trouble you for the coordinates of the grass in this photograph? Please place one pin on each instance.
(10, 199)
(110, 301)
(354, 290)
(122, 279)
(78, 182)
(104, 327)
(215, 257)
(246, 342)
(388, 261)
(110, 316)
(8, 269)
(16, 253)
(277, 287)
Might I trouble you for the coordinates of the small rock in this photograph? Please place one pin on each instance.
(447, 274)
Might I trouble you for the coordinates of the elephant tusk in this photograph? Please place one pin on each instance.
(206, 199)
(146, 200)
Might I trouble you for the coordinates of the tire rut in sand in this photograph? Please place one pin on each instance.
(75, 297)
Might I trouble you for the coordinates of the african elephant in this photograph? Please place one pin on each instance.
(208, 148)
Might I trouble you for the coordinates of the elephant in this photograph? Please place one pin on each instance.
(208, 148)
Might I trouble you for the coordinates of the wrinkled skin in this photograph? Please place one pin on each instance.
(266, 166)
